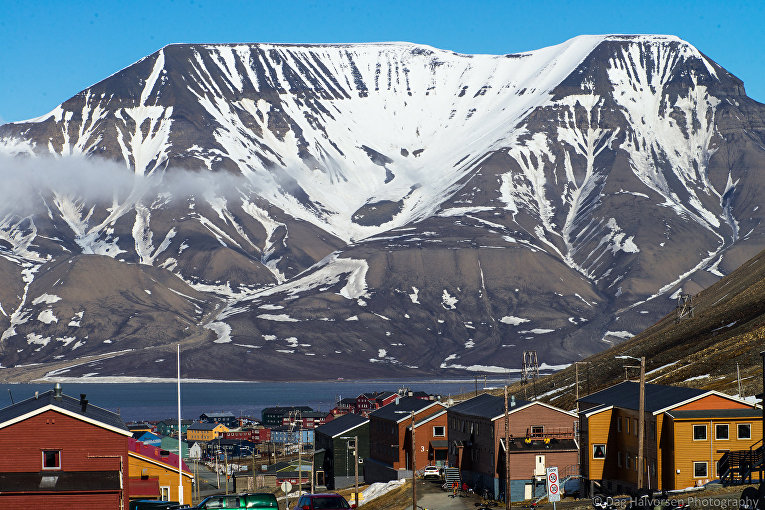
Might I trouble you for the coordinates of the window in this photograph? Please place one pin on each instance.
(699, 469)
(164, 493)
(537, 430)
(51, 459)
(635, 426)
(721, 432)
(744, 431)
(619, 459)
(627, 425)
(439, 432)
(618, 423)
(598, 451)
(627, 457)
(699, 432)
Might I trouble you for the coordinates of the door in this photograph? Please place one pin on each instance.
(528, 491)
(539, 467)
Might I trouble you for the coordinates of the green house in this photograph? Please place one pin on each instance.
(334, 449)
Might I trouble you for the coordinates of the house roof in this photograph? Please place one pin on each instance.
(341, 425)
(66, 405)
(715, 413)
(438, 411)
(401, 411)
(59, 482)
(348, 400)
(156, 456)
(219, 415)
(285, 410)
(626, 395)
(486, 406)
(203, 426)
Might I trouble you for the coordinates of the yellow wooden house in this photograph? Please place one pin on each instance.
(153, 474)
(687, 432)
(205, 431)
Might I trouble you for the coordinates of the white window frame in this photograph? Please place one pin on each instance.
(56, 468)
(443, 434)
(537, 427)
(706, 435)
(727, 428)
(164, 492)
(706, 469)
(594, 446)
(737, 430)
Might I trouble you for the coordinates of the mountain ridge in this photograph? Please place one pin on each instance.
(374, 198)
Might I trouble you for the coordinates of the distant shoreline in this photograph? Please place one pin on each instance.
(169, 380)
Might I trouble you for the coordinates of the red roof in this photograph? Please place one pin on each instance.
(156, 454)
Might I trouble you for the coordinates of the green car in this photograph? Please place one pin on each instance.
(240, 501)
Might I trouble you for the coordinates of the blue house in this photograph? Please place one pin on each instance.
(148, 438)
(282, 435)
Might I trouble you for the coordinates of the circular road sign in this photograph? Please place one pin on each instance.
(553, 477)
(553, 488)
(286, 487)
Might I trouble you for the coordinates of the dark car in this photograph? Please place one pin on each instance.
(239, 501)
(329, 501)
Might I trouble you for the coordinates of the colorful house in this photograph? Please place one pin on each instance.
(274, 416)
(170, 427)
(148, 438)
(154, 473)
(540, 436)
(226, 418)
(171, 444)
(687, 432)
(284, 435)
(205, 431)
(390, 439)
(61, 452)
(335, 450)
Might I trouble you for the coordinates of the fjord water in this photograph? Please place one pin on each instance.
(156, 401)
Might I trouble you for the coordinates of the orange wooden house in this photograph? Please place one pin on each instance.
(687, 432)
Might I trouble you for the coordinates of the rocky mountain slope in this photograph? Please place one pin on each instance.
(314, 211)
(716, 348)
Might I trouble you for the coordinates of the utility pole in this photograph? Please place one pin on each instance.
(507, 454)
(641, 423)
(300, 461)
(414, 468)
(476, 393)
(356, 468)
(217, 469)
(738, 378)
(313, 459)
(253, 469)
(225, 461)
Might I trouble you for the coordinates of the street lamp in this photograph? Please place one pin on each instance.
(641, 418)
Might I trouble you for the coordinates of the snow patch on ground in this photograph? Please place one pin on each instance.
(512, 320)
(221, 329)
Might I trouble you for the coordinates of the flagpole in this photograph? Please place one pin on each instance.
(180, 448)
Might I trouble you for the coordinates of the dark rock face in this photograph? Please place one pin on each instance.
(380, 210)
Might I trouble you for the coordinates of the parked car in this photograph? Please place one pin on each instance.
(431, 472)
(239, 501)
(327, 501)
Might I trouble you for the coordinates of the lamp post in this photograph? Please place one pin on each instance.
(641, 418)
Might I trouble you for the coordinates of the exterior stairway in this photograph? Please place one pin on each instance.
(736, 467)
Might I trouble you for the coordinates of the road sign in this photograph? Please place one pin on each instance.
(286, 487)
(553, 485)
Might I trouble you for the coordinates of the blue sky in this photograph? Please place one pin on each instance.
(50, 50)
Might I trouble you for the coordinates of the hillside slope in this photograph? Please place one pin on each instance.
(727, 329)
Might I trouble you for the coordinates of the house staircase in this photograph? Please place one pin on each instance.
(736, 467)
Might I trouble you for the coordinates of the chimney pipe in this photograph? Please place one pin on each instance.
(57, 391)
(83, 402)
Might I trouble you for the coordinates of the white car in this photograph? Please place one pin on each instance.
(431, 472)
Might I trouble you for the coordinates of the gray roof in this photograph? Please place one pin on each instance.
(716, 413)
(341, 424)
(486, 406)
(400, 411)
(203, 426)
(626, 395)
(286, 409)
(65, 402)
(227, 414)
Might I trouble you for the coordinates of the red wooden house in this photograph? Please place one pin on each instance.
(60, 452)
(368, 402)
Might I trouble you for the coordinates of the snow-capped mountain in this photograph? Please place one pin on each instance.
(393, 208)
